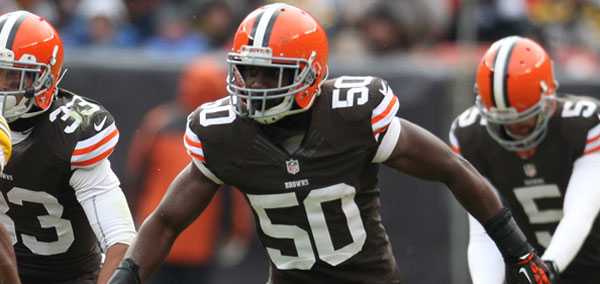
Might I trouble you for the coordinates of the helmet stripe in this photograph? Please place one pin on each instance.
(500, 72)
(491, 75)
(9, 28)
(265, 25)
(270, 28)
(2, 22)
(254, 26)
(13, 33)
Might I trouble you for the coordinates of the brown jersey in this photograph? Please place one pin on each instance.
(534, 188)
(316, 209)
(52, 238)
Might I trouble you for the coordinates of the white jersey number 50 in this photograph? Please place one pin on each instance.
(318, 226)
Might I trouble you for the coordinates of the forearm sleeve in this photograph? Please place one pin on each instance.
(97, 190)
(580, 209)
(486, 265)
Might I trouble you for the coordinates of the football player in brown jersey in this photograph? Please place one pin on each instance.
(59, 199)
(305, 151)
(542, 154)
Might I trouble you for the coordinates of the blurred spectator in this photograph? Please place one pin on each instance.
(42, 8)
(69, 22)
(157, 155)
(388, 27)
(142, 16)
(175, 35)
(571, 32)
(494, 19)
(214, 20)
(106, 25)
(7, 6)
(323, 10)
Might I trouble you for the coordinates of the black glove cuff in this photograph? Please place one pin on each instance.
(552, 266)
(510, 240)
(127, 271)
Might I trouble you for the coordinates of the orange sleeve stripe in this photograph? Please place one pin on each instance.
(593, 139)
(192, 142)
(593, 150)
(93, 160)
(97, 145)
(386, 111)
(197, 157)
(455, 149)
(381, 129)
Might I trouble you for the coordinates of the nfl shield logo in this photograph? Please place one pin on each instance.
(530, 170)
(293, 166)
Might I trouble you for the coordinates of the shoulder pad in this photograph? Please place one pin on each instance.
(466, 129)
(211, 120)
(88, 126)
(359, 99)
(210, 124)
(581, 115)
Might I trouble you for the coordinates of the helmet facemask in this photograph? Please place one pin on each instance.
(268, 105)
(496, 122)
(20, 82)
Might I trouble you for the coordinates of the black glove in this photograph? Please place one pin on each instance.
(126, 273)
(529, 269)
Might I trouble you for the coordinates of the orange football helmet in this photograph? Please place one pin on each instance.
(515, 82)
(31, 60)
(286, 38)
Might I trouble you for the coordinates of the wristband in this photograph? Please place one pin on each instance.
(509, 238)
(127, 272)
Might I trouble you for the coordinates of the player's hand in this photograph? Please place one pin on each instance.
(530, 269)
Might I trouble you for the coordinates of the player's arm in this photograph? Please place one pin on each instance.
(96, 186)
(419, 153)
(413, 150)
(188, 195)
(580, 209)
(97, 189)
(8, 263)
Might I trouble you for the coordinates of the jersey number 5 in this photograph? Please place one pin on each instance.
(53, 220)
(527, 196)
(579, 108)
(318, 226)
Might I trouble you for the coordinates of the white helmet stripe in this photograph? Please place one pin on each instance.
(265, 25)
(500, 68)
(9, 29)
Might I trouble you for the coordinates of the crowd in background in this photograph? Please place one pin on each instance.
(192, 27)
(569, 29)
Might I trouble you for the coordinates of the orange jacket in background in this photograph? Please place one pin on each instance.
(157, 155)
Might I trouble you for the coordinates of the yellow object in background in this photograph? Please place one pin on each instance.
(5, 142)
